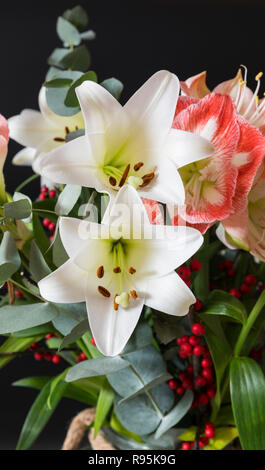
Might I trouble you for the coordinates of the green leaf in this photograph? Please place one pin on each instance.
(77, 16)
(37, 264)
(39, 415)
(225, 416)
(71, 98)
(114, 86)
(222, 303)
(32, 382)
(55, 384)
(223, 436)
(59, 254)
(104, 404)
(247, 386)
(55, 61)
(158, 380)
(58, 83)
(67, 199)
(79, 59)
(167, 327)
(35, 331)
(141, 337)
(176, 414)
(19, 197)
(19, 317)
(12, 345)
(67, 32)
(20, 209)
(69, 315)
(40, 235)
(88, 35)
(56, 96)
(9, 257)
(75, 333)
(95, 367)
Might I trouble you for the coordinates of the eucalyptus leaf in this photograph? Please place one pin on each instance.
(74, 135)
(19, 317)
(176, 414)
(56, 96)
(114, 86)
(9, 257)
(69, 315)
(55, 61)
(138, 415)
(78, 59)
(88, 35)
(247, 386)
(67, 32)
(19, 196)
(58, 83)
(37, 264)
(141, 337)
(75, 333)
(20, 209)
(77, 16)
(67, 199)
(95, 367)
(162, 378)
(71, 97)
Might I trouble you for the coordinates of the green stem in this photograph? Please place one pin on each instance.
(27, 181)
(249, 323)
(44, 211)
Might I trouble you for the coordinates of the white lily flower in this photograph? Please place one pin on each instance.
(120, 265)
(134, 144)
(40, 131)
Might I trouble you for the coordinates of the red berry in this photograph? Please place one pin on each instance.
(198, 350)
(52, 226)
(183, 375)
(33, 347)
(235, 293)
(211, 392)
(221, 266)
(56, 359)
(92, 341)
(180, 390)
(42, 196)
(44, 189)
(194, 340)
(83, 356)
(195, 265)
(52, 193)
(198, 329)
(172, 383)
(187, 348)
(251, 279)
(184, 272)
(186, 446)
(48, 356)
(203, 441)
(188, 282)
(206, 362)
(46, 222)
(198, 305)
(209, 424)
(228, 264)
(207, 373)
(203, 399)
(38, 356)
(209, 432)
(245, 288)
(190, 369)
(182, 339)
(182, 354)
(187, 384)
(231, 272)
(49, 335)
(19, 294)
(200, 381)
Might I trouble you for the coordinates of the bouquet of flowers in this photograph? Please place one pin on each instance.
(140, 266)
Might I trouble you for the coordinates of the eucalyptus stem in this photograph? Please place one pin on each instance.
(27, 181)
(249, 323)
(44, 211)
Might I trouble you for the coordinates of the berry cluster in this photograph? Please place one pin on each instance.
(46, 193)
(185, 271)
(47, 355)
(203, 384)
(50, 226)
(82, 357)
(203, 440)
(249, 281)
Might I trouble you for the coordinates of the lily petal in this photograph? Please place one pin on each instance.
(30, 129)
(24, 157)
(185, 147)
(169, 294)
(65, 285)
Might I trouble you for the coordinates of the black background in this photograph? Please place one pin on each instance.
(134, 39)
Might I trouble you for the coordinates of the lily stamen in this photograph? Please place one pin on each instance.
(124, 176)
(100, 272)
(67, 131)
(137, 166)
(133, 294)
(59, 139)
(132, 270)
(116, 306)
(117, 270)
(112, 181)
(147, 179)
(103, 291)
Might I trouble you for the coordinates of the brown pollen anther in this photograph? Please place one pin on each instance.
(67, 131)
(133, 294)
(132, 270)
(117, 270)
(116, 306)
(137, 166)
(103, 291)
(100, 272)
(147, 179)
(112, 181)
(59, 139)
(124, 176)
(76, 128)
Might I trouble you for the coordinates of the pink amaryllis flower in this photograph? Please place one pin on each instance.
(246, 101)
(4, 138)
(217, 187)
(246, 230)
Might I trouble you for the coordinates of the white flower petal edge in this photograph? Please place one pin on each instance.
(133, 144)
(24, 157)
(120, 265)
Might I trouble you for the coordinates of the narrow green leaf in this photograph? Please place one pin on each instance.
(20, 209)
(37, 264)
(222, 303)
(247, 386)
(55, 383)
(40, 235)
(38, 415)
(13, 345)
(104, 404)
(19, 317)
(35, 331)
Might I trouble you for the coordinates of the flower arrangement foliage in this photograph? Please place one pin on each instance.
(139, 269)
